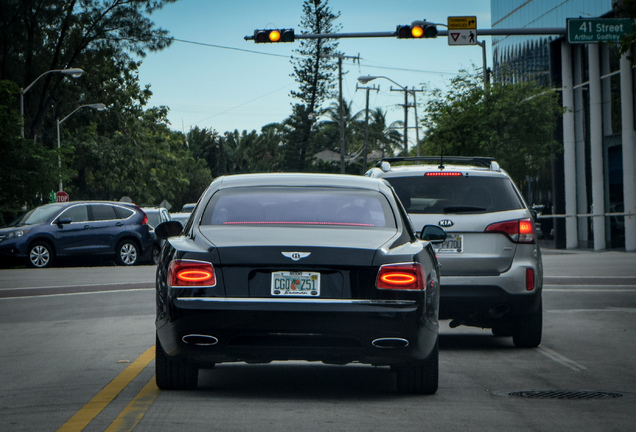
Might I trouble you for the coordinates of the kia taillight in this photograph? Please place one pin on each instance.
(519, 231)
(187, 273)
(404, 277)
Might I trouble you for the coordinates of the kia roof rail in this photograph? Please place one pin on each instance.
(486, 162)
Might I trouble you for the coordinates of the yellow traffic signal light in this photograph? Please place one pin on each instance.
(274, 35)
(417, 30)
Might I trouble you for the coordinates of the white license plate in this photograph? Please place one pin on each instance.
(290, 283)
(454, 243)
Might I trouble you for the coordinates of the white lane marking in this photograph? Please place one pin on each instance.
(76, 293)
(591, 288)
(561, 359)
(607, 309)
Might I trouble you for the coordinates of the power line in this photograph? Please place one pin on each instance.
(289, 57)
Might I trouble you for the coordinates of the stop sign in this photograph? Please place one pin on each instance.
(62, 196)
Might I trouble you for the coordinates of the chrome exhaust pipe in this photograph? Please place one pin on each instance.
(390, 343)
(199, 340)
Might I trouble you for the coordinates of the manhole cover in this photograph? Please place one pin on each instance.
(563, 394)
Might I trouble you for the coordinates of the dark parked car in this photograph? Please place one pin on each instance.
(78, 229)
(492, 272)
(309, 267)
(156, 215)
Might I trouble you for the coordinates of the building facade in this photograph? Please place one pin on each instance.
(592, 190)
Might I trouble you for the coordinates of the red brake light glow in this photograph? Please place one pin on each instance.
(443, 174)
(519, 231)
(184, 273)
(144, 221)
(408, 276)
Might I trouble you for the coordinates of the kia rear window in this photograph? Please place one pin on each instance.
(299, 206)
(456, 194)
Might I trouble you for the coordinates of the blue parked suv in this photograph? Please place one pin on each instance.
(79, 228)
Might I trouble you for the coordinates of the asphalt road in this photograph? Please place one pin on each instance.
(77, 355)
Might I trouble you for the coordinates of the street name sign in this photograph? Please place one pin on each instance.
(462, 30)
(595, 30)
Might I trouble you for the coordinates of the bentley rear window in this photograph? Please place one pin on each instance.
(296, 206)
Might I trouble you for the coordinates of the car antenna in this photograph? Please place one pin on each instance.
(441, 160)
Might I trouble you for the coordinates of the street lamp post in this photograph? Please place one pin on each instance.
(367, 78)
(73, 72)
(98, 107)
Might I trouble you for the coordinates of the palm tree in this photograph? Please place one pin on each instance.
(388, 139)
(353, 127)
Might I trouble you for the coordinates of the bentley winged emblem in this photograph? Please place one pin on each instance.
(295, 256)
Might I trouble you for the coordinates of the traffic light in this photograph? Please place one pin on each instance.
(274, 35)
(417, 30)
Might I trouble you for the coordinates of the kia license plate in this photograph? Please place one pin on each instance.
(293, 283)
(454, 243)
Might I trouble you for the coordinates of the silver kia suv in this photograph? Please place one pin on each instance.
(491, 268)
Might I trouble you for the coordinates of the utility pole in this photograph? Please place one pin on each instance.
(482, 44)
(366, 125)
(417, 122)
(341, 108)
(406, 116)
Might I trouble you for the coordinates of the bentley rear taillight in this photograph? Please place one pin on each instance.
(187, 273)
(404, 277)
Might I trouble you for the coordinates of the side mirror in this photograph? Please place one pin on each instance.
(168, 229)
(433, 234)
(64, 221)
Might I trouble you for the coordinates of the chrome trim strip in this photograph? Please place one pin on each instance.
(298, 301)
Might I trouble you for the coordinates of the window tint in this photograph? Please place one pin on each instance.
(78, 213)
(123, 213)
(103, 212)
(299, 206)
(462, 194)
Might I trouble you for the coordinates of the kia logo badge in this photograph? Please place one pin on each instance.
(445, 223)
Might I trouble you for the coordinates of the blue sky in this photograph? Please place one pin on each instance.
(237, 84)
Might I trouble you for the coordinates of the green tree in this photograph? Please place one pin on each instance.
(386, 138)
(314, 72)
(41, 35)
(513, 123)
(627, 8)
(26, 168)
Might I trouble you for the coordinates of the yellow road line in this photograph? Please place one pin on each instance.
(134, 412)
(84, 416)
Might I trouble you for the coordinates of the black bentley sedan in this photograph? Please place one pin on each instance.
(314, 267)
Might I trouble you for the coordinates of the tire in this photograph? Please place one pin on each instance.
(40, 255)
(419, 378)
(127, 253)
(171, 374)
(528, 329)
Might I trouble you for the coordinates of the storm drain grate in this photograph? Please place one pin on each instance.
(564, 394)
